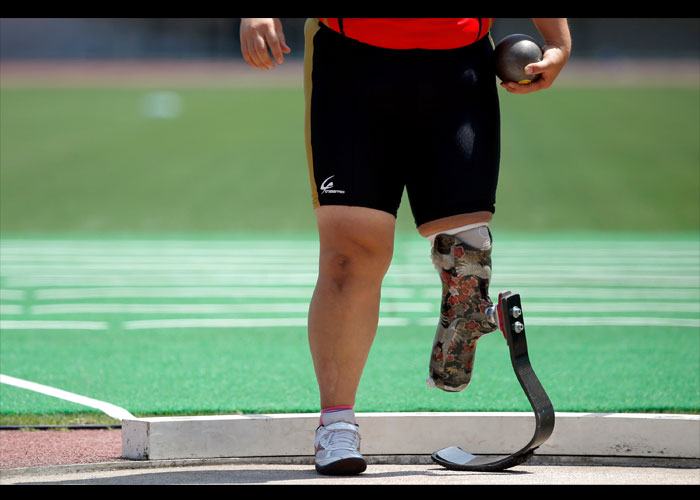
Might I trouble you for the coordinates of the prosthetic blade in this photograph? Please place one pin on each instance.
(513, 326)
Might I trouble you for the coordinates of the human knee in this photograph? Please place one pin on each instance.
(354, 262)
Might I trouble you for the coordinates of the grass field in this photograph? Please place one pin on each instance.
(91, 161)
(169, 254)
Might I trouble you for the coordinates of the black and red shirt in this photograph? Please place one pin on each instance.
(412, 32)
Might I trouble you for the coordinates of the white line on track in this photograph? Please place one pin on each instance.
(246, 292)
(15, 269)
(237, 323)
(615, 321)
(301, 321)
(10, 309)
(12, 294)
(25, 259)
(309, 279)
(260, 308)
(601, 321)
(614, 307)
(52, 325)
(175, 293)
(431, 293)
(609, 294)
(302, 307)
(108, 408)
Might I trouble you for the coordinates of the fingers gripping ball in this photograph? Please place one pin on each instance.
(466, 312)
(512, 54)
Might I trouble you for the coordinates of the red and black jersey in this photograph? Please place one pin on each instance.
(412, 32)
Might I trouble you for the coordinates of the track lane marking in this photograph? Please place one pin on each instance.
(108, 408)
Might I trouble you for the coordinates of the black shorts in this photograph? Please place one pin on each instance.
(379, 121)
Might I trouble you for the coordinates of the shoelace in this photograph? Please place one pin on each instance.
(340, 439)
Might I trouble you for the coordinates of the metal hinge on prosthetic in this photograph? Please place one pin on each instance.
(466, 311)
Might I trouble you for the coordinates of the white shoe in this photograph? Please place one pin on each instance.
(338, 449)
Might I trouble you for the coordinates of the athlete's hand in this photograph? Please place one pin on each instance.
(553, 60)
(258, 34)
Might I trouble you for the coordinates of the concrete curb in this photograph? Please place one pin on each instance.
(660, 436)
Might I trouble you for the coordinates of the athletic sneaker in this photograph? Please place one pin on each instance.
(338, 449)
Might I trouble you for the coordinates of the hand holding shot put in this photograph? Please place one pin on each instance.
(555, 54)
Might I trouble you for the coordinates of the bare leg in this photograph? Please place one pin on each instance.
(356, 247)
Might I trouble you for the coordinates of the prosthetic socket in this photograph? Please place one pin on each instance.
(466, 311)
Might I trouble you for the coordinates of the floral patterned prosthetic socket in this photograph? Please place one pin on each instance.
(466, 312)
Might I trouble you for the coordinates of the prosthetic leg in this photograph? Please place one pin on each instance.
(467, 313)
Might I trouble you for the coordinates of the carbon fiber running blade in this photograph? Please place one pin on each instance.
(513, 326)
(455, 458)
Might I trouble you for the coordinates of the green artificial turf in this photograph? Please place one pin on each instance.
(592, 369)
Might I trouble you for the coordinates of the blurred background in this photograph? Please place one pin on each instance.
(123, 125)
(217, 38)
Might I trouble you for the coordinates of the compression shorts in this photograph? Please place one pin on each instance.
(380, 121)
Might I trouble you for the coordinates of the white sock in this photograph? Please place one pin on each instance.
(338, 414)
(475, 235)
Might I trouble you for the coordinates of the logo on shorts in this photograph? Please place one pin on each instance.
(327, 187)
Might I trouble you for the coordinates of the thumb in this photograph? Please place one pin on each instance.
(537, 67)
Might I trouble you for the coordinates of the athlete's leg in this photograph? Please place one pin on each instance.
(356, 246)
(354, 151)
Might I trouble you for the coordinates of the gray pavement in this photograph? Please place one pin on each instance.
(228, 472)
